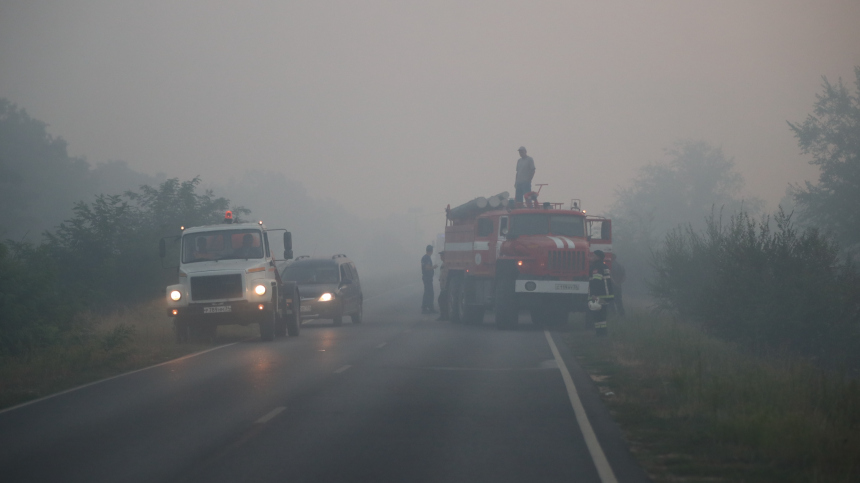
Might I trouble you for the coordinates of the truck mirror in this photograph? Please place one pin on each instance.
(288, 254)
(288, 242)
(162, 248)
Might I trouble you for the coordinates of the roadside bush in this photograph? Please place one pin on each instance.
(107, 253)
(104, 257)
(35, 312)
(774, 289)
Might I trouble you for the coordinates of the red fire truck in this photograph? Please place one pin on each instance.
(508, 256)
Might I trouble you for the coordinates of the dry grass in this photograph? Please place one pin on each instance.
(699, 409)
(116, 343)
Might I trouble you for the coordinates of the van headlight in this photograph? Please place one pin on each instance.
(326, 297)
(260, 289)
(175, 295)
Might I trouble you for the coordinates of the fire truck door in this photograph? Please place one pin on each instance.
(600, 235)
(483, 238)
(502, 234)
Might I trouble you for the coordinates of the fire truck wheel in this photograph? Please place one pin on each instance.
(474, 314)
(455, 305)
(337, 320)
(267, 326)
(356, 317)
(505, 307)
(180, 328)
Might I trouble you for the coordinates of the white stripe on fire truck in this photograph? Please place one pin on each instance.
(482, 245)
(557, 240)
(570, 243)
(458, 247)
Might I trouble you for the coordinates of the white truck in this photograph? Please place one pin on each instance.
(227, 275)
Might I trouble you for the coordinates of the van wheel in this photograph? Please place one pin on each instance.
(356, 317)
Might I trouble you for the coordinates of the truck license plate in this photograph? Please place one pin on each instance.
(217, 309)
(306, 308)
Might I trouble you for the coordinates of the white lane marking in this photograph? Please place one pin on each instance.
(380, 346)
(272, 414)
(557, 240)
(342, 369)
(188, 356)
(597, 455)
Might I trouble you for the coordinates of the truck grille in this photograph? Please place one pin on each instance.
(216, 287)
(566, 261)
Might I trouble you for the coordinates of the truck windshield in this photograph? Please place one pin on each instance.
(546, 224)
(221, 245)
(310, 274)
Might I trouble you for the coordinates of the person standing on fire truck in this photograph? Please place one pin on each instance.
(525, 173)
(427, 270)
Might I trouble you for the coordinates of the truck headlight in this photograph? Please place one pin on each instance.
(260, 290)
(175, 295)
(325, 297)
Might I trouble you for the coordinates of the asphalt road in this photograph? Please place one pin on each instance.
(400, 397)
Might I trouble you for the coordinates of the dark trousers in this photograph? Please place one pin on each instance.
(521, 190)
(428, 294)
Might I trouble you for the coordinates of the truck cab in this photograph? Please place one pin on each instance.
(227, 275)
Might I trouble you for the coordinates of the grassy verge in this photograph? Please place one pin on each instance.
(696, 408)
(115, 343)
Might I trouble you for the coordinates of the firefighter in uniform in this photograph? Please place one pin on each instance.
(443, 292)
(599, 291)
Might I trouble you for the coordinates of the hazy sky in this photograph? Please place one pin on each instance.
(401, 104)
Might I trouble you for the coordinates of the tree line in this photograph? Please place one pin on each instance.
(781, 281)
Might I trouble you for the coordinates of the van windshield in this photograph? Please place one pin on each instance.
(311, 274)
(221, 245)
(547, 224)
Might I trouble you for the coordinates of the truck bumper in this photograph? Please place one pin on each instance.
(551, 287)
(235, 312)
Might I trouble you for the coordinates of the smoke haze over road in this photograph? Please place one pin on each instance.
(416, 105)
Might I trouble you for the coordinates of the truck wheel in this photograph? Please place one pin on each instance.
(356, 317)
(267, 326)
(180, 328)
(474, 314)
(281, 325)
(455, 304)
(505, 306)
(293, 321)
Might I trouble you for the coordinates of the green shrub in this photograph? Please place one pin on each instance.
(772, 289)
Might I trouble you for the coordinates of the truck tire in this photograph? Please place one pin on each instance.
(267, 325)
(455, 305)
(280, 315)
(505, 306)
(473, 314)
(293, 321)
(356, 317)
